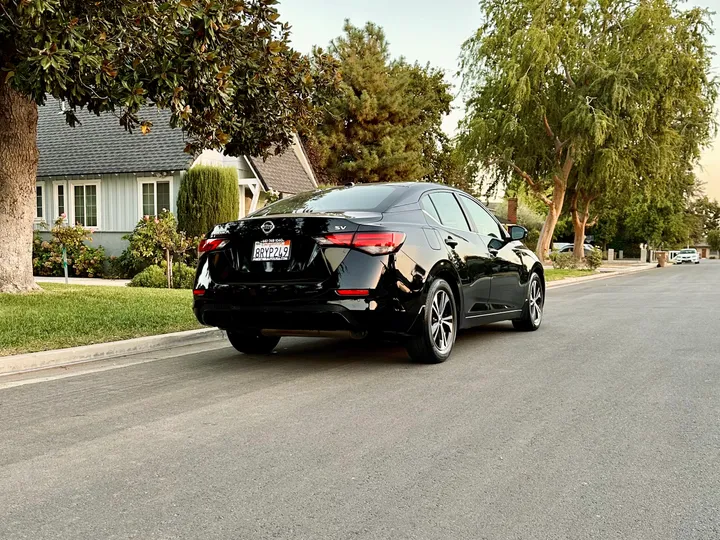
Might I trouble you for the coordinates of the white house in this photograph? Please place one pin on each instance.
(106, 179)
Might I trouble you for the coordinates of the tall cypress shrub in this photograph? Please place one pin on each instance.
(208, 196)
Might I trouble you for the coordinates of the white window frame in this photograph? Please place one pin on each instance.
(71, 197)
(42, 218)
(153, 180)
(56, 199)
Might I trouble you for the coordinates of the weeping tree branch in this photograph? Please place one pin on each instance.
(525, 176)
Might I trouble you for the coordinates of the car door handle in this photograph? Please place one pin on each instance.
(450, 241)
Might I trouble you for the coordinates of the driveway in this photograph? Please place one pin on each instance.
(604, 424)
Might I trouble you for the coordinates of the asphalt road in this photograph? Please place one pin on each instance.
(604, 424)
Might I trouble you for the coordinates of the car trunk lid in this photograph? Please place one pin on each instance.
(282, 248)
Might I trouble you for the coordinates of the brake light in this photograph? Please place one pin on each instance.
(199, 292)
(374, 243)
(211, 244)
(353, 292)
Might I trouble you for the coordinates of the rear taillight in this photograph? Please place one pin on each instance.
(211, 244)
(353, 292)
(374, 243)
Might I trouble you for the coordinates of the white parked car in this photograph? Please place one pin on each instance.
(689, 255)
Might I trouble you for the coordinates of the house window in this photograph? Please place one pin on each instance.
(85, 204)
(39, 200)
(154, 196)
(60, 199)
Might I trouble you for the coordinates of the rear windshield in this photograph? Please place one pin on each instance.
(366, 198)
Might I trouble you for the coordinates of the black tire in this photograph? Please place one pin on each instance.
(252, 342)
(439, 327)
(532, 316)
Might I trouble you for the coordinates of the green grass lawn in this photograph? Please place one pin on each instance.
(67, 316)
(555, 275)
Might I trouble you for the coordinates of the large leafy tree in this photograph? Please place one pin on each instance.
(384, 124)
(713, 238)
(708, 213)
(580, 97)
(222, 67)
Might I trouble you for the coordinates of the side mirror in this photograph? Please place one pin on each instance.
(517, 232)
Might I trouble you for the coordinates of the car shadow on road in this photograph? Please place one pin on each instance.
(298, 354)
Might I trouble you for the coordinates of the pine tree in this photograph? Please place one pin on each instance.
(384, 124)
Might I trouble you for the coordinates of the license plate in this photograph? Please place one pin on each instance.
(271, 250)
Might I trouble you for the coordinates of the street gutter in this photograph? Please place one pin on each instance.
(19, 363)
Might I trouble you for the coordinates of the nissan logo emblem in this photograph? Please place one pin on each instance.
(267, 227)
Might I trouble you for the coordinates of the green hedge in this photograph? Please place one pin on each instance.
(208, 196)
(154, 277)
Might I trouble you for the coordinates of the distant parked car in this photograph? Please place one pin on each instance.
(571, 249)
(689, 255)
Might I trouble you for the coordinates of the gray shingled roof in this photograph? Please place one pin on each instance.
(283, 173)
(101, 145)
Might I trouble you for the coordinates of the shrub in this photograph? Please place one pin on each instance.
(563, 261)
(594, 259)
(152, 276)
(155, 276)
(151, 238)
(89, 261)
(83, 260)
(183, 275)
(208, 196)
(526, 216)
(146, 244)
(532, 239)
(46, 260)
(114, 269)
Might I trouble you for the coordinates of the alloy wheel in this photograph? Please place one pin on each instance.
(442, 325)
(536, 302)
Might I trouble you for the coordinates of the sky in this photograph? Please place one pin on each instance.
(432, 31)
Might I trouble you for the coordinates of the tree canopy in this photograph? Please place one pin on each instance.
(223, 68)
(384, 124)
(582, 97)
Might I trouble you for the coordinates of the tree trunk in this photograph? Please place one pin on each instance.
(547, 231)
(18, 170)
(555, 207)
(580, 219)
(579, 223)
(169, 268)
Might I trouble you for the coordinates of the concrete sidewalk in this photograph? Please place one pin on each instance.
(84, 281)
(603, 273)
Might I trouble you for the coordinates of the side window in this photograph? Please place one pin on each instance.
(429, 208)
(449, 211)
(484, 222)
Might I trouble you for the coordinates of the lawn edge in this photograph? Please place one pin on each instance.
(20, 363)
(567, 282)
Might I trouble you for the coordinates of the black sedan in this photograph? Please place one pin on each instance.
(415, 261)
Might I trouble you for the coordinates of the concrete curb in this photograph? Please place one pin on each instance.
(11, 365)
(603, 275)
(88, 353)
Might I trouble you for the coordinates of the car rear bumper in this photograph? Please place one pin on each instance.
(342, 315)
